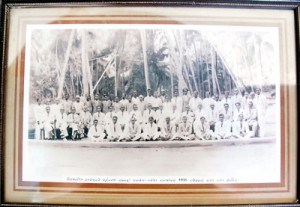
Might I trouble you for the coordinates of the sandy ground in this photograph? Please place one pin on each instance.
(252, 163)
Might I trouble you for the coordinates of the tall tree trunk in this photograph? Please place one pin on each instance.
(57, 61)
(116, 77)
(172, 84)
(213, 69)
(86, 72)
(176, 59)
(65, 65)
(143, 38)
(198, 88)
(217, 80)
(207, 70)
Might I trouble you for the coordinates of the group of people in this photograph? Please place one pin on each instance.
(151, 118)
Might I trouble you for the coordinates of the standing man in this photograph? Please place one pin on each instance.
(177, 101)
(207, 100)
(236, 97)
(78, 105)
(135, 97)
(141, 104)
(156, 101)
(89, 104)
(261, 106)
(149, 98)
(195, 101)
(116, 104)
(185, 98)
(39, 111)
(67, 104)
(227, 100)
(105, 104)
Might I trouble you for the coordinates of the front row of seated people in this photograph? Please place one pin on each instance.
(122, 126)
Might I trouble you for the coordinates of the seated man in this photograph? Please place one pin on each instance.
(151, 130)
(212, 116)
(199, 112)
(237, 110)
(61, 118)
(109, 115)
(222, 129)
(251, 118)
(189, 114)
(48, 123)
(160, 115)
(123, 117)
(141, 104)
(227, 113)
(99, 116)
(137, 114)
(184, 130)
(167, 130)
(240, 128)
(175, 116)
(86, 119)
(201, 129)
(132, 131)
(73, 121)
(147, 113)
(96, 132)
(114, 130)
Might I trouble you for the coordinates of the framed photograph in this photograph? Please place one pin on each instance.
(149, 104)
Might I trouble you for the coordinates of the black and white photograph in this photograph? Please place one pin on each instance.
(150, 101)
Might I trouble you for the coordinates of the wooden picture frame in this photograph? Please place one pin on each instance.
(27, 164)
